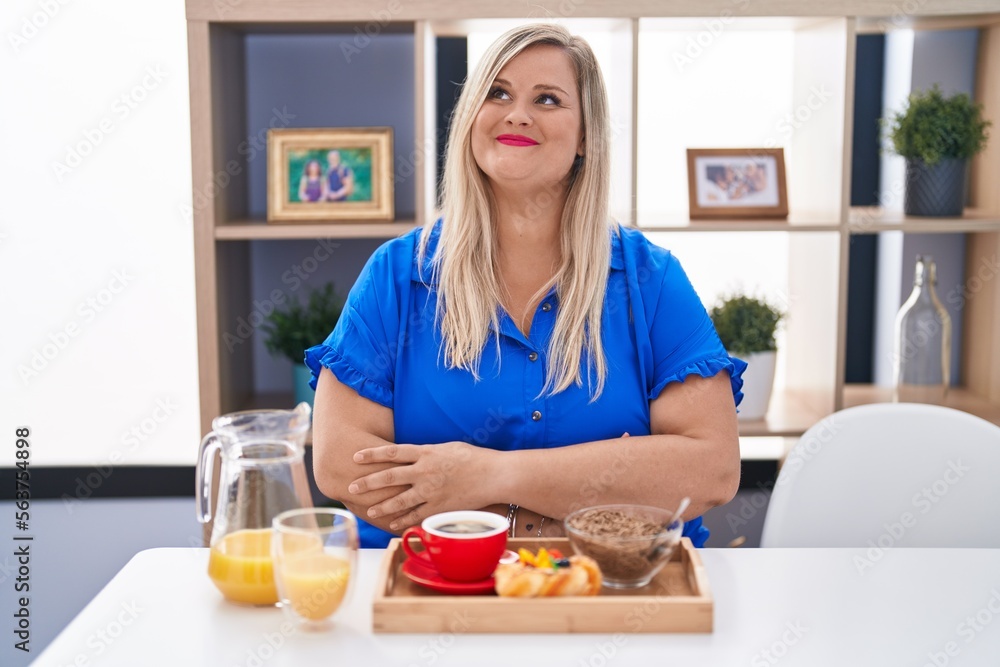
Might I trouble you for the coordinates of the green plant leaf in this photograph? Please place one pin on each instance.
(292, 329)
(746, 324)
(932, 127)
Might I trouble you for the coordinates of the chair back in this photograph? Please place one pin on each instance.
(889, 475)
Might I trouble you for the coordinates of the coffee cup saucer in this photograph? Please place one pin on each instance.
(419, 572)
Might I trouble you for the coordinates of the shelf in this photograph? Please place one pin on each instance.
(241, 230)
(765, 448)
(873, 219)
(800, 222)
(879, 24)
(958, 398)
(323, 11)
(790, 415)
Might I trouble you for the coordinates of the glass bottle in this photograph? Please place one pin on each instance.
(922, 356)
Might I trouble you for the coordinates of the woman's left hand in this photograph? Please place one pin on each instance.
(437, 478)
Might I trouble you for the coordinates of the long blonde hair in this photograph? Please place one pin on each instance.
(465, 262)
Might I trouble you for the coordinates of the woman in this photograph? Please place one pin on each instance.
(510, 345)
(312, 186)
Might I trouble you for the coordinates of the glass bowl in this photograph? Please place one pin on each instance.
(630, 543)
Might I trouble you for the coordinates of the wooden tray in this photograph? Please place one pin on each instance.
(677, 600)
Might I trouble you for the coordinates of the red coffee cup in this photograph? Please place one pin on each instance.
(461, 546)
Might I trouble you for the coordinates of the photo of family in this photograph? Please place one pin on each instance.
(329, 175)
(737, 183)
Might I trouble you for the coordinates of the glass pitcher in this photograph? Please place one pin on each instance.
(262, 475)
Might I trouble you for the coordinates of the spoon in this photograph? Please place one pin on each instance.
(653, 555)
(685, 501)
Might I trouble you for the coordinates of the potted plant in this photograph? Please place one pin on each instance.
(746, 326)
(292, 329)
(937, 135)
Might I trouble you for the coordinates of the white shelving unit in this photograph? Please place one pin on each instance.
(820, 40)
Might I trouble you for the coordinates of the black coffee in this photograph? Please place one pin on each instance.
(464, 527)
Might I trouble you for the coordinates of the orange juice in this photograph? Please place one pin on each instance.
(240, 566)
(314, 584)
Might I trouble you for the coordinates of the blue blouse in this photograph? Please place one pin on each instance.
(385, 346)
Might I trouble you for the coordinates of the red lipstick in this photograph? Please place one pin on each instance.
(516, 140)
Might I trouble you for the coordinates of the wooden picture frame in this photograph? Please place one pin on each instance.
(329, 175)
(737, 183)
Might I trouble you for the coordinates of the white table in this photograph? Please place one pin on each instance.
(772, 606)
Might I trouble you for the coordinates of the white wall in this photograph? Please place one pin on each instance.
(96, 260)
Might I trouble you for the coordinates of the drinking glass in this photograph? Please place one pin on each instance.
(315, 559)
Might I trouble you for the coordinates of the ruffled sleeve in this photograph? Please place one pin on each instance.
(707, 368)
(361, 350)
(324, 355)
(682, 336)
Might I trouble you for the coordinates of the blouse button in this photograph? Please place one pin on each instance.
(533, 356)
(546, 307)
(536, 415)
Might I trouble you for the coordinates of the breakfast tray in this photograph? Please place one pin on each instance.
(678, 599)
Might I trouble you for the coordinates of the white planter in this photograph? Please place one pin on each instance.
(758, 379)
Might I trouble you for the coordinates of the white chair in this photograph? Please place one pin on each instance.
(889, 475)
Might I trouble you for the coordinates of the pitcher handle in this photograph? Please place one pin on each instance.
(203, 476)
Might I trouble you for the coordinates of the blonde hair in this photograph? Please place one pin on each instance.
(465, 262)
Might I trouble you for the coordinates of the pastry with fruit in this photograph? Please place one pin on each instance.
(547, 574)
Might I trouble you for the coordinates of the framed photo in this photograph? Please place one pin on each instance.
(737, 183)
(323, 175)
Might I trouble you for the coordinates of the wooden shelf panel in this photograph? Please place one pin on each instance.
(789, 415)
(898, 21)
(765, 448)
(798, 221)
(323, 10)
(958, 398)
(240, 230)
(873, 219)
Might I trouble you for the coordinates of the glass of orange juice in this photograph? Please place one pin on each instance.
(314, 552)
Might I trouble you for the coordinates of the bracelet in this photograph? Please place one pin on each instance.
(512, 521)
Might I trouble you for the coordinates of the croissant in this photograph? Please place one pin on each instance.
(582, 577)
